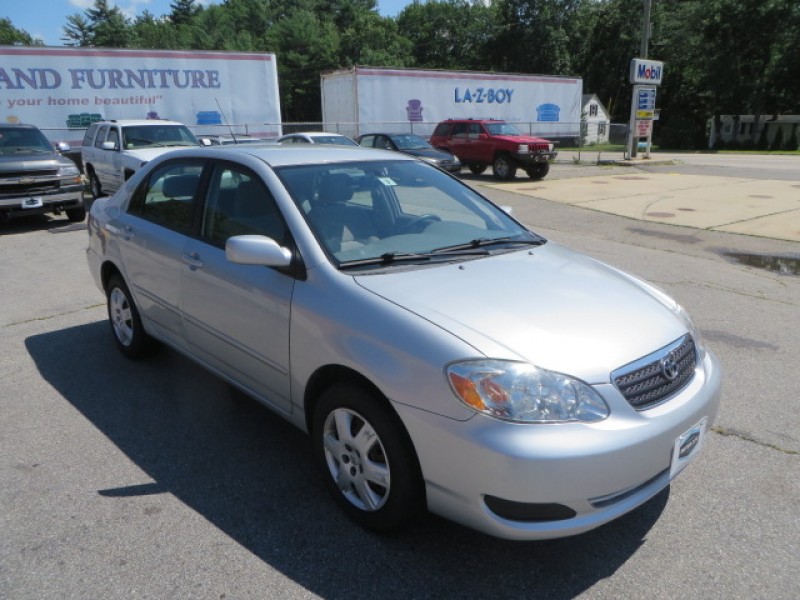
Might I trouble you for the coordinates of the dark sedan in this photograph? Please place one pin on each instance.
(413, 145)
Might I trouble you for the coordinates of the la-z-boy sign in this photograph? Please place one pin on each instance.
(646, 71)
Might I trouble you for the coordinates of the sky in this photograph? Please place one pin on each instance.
(45, 19)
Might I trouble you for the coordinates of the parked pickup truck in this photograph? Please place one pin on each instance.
(114, 150)
(35, 178)
(479, 143)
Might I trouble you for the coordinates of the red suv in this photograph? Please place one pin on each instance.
(479, 143)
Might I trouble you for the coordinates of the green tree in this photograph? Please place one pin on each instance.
(450, 34)
(534, 36)
(305, 46)
(11, 36)
(78, 31)
(100, 25)
(184, 12)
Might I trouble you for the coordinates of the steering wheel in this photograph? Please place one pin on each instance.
(417, 221)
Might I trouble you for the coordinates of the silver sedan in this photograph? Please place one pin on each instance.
(440, 354)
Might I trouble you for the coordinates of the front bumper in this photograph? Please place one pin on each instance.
(593, 473)
(34, 203)
(532, 158)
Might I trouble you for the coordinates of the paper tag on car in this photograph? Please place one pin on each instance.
(687, 446)
(32, 203)
(387, 181)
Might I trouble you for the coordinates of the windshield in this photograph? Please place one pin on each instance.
(410, 142)
(141, 136)
(23, 140)
(368, 210)
(502, 129)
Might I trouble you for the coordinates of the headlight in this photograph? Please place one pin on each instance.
(550, 147)
(514, 391)
(68, 171)
(693, 330)
(523, 149)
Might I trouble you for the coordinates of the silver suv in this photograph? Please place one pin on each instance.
(112, 151)
(35, 178)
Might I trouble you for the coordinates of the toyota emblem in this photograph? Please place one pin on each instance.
(669, 367)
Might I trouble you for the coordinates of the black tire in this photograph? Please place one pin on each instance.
(539, 171)
(476, 169)
(76, 215)
(504, 168)
(126, 325)
(375, 479)
(94, 184)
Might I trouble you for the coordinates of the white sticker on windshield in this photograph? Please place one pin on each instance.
(387, 181)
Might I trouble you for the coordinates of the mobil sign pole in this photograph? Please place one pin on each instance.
(646, 75)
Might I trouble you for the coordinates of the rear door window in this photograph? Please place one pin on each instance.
(169, 195)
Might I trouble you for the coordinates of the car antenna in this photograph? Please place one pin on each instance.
(224, 118)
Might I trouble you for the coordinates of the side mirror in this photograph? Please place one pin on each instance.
(63, 147)
(109, 146)
(507, 209)
(257, 250)
(206, 142)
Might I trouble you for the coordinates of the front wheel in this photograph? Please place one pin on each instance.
(94, 185)
(539, 171)
(76, 215)
(126, 325)
(368, 462)
(503, 169)
(476, 169)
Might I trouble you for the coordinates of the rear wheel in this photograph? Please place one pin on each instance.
(368, 462)
(126, 325)
(539, 171)
(476, 169)
(503, 168)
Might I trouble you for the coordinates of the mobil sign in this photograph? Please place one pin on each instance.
(646, 71)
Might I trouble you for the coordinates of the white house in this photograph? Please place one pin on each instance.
(596, 119)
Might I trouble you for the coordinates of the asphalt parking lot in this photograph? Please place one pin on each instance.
(155, 480)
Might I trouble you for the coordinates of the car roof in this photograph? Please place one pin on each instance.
(19, 125)
(315, 134)
(138, 122)
(281, 156)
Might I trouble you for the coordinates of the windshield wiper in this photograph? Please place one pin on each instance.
(386, 258)
(483, 242)
(389, 258)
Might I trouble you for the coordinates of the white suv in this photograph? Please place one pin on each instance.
(114, 150)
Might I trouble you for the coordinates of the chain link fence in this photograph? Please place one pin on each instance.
(578, 142)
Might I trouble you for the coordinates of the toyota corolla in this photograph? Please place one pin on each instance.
(440, 354)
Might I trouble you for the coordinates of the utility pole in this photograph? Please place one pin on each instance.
(645, 28)
(633, 136)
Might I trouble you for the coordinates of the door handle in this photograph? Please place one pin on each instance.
(193, 260)
(127, 233)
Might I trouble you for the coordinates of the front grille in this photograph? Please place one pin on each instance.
(28, 173)
(40, 187)
(653, 379)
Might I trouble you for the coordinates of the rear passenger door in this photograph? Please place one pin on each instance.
(237, 316)
(152, 234)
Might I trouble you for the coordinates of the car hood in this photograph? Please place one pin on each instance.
(550, 306)
(148, 154)
(24, 162)
(522, 139)
(430, 153)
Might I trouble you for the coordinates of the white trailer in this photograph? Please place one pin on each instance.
(63, 90)
(369, 99)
